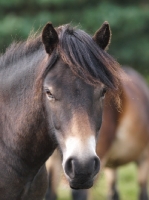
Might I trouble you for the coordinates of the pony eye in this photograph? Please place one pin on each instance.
(103, 92)
(49, 94)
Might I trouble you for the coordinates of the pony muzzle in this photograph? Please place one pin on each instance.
(80, 161)
(81, 175)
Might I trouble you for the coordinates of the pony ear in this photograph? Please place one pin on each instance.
(49, 38)
(103, 36)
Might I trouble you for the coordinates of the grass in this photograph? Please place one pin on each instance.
(127, 186)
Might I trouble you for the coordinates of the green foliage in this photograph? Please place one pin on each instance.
(129, 21)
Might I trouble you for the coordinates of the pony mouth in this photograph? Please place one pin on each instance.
(78, 185)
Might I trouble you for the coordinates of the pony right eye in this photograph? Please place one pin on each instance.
(49, 95)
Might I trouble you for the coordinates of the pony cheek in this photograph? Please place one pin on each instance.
(56, 124)
(53, 116)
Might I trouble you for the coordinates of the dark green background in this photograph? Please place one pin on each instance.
(129, 21)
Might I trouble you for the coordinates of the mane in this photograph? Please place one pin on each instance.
(21, 49)
(86, 59)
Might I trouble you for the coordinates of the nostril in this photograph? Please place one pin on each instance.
(69, 167)
(96, 165)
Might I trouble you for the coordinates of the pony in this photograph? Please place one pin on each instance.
(123, 138)
(48, 83)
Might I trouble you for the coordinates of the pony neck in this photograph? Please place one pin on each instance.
(24, 133)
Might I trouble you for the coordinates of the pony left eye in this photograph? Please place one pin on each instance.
(103, 92)
(49, 94)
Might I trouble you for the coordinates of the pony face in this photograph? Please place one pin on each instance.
(77, 77)
(75, 110)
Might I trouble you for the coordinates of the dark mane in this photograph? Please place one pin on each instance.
(18, 50)
(86, 59)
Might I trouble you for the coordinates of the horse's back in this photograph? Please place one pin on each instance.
(137, 93)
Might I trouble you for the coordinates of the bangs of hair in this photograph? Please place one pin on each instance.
(86, 59)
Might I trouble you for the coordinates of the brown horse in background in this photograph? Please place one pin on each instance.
(124, 136)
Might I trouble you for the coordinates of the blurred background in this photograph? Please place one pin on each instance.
(129, 21)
